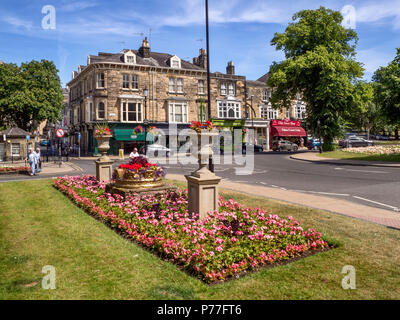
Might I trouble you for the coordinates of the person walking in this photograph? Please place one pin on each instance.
(39, 160)
(32, 160)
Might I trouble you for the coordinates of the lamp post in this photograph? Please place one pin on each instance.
(145, 121)
(319, 135)
(210, 160)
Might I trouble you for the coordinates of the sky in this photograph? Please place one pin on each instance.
(240, 31)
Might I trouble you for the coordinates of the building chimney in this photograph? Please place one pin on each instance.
(144, 50)
(230, 68)
(203, 59)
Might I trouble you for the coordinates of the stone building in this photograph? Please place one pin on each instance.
(14, 144)
(111, 88)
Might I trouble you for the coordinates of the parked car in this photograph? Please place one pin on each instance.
(44, 142)
(354, 141)
(257, 148)
(284, 145)
(157, 150)
(314, 144)
(379, 137)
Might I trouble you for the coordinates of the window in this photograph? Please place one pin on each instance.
(125, 81)
(200, 87)
(287, 113)
(132, 112)
(90, 111)
(100, 80)
(135, 81)
(178, 112)
(175, 85)
(175, 64)
(300, 111)
(223, 89)
(130, 59)
(15, 149)
(171, 85)
(269, 113)
(231, 89)
(71, 116)
(229, 109)
(179, 85)
(101, 111)
(266, 95)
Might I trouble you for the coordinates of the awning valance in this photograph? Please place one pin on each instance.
(127, 135)
(288, 132)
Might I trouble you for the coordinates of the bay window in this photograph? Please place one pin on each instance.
(229, 109)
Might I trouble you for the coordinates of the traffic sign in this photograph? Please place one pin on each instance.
(60, 133)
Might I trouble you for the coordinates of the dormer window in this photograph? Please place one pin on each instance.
(175, 62)
(130, 57)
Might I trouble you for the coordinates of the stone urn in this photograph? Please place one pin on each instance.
(103, 145)
(204, 151)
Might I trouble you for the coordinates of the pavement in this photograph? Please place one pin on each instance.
(338, 206)
(313, 157)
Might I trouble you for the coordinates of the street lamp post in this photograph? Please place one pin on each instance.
(319, 135)
(210, 160)
(145, 121)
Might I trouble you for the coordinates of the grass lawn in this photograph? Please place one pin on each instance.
(387, 142)
(39, 226)
(361, 156)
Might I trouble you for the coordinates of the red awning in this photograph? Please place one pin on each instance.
(288, 132)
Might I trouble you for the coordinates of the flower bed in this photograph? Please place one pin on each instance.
(374, 150)
(230, 242)
(21, 169)
(138, 169)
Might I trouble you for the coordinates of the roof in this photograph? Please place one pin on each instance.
(15, 132)
(265, 77)
(156, 59)
(256, 83)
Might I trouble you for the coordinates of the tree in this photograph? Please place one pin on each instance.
(29, 93)
(366, 114)
(387, 81)
(320, 65)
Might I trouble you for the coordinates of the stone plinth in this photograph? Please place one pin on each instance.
(104, 169)
(203, 192)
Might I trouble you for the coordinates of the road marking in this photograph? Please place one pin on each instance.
(274, 186)
(330, 193)
(367, 171)
(263, 183)
(378, 203)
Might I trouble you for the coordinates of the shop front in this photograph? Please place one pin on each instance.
(260, 128)
(286, 130)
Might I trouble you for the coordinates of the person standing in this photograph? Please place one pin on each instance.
(39, 160)
(32, 160)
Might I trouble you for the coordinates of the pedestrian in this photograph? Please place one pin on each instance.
(39, 160)
(134, 153)
(32, 160)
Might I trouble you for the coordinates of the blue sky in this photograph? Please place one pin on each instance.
(240, 31)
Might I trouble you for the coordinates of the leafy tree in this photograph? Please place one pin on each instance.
(387, 81)
(366, 114)
(30, 93)
(320, 65)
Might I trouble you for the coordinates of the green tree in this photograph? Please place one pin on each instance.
(320, 65)
(367, 114)
(30, 93)
(387, 81)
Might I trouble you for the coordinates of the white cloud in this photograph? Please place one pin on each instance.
(77, 6)
(374, 58)
(17, 22)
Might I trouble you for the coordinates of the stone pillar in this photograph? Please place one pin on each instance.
(104, 169)
(104, 163)
(203, 184)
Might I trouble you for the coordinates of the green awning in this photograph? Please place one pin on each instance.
(127, 135)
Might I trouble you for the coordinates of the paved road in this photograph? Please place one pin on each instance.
(372, 186)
